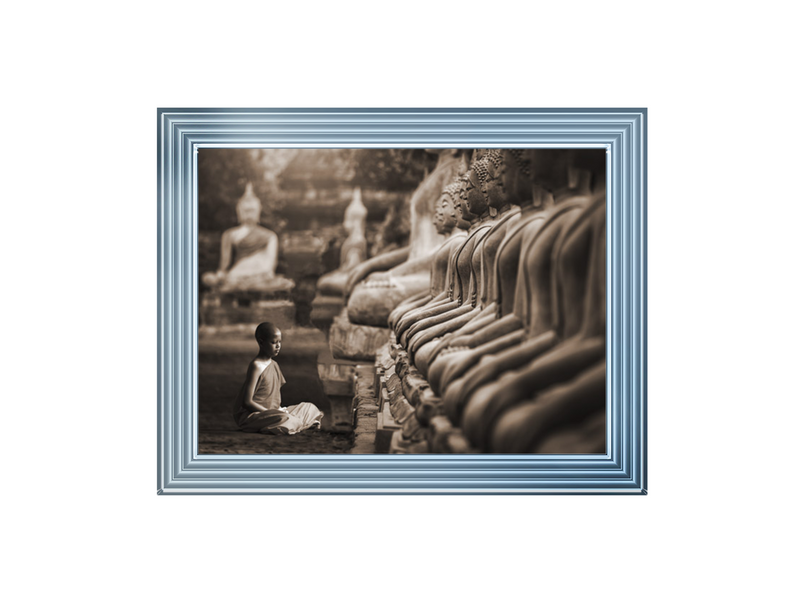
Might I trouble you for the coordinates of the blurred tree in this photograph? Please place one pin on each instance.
(391, 169)
(222, 178)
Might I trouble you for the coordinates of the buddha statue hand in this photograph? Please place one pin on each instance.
(213, 280)
(412, 429)
(429, 406)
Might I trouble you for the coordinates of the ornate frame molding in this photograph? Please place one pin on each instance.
(623, 469)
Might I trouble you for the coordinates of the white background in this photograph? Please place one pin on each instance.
(82, 82)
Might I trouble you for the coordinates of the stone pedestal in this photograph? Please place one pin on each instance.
(339, 381)
(386, 425)
(325, 309)
(355, 342)
(222, 308)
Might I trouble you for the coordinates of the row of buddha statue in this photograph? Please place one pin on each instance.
(499, 313)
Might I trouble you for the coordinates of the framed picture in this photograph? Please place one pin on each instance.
(402, 301)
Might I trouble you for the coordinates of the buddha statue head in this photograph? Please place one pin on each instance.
(248, 207)
(474, 204)
(438, 214)
(588, 167)
(490, 171)
(548, 168)
(449, 209)
(505, 179)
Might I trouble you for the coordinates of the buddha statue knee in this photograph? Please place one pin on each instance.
(372, 300)
(413, 302)
(586, 437)
(453, 357)
(461, 336)
(562, 408)
(490, 367)
(560, 364)
(412, 322)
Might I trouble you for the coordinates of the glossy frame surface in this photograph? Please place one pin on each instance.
(181, 132)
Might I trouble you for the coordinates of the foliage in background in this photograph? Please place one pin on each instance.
(222, 178)
(391, 169)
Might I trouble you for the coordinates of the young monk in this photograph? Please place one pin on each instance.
(258, 405)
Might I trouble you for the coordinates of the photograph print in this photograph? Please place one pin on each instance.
(402, 301)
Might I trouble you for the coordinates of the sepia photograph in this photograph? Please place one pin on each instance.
(401, 301)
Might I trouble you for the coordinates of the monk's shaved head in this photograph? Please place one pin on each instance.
(265, 331)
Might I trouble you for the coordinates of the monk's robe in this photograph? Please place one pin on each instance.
(276, 420)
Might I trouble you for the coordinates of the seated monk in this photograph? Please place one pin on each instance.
(522, 300)
(459, 295)
(353, 250)
(249, 253)
(506, 184)
(448, 222)
(581, 334)
(406, 271)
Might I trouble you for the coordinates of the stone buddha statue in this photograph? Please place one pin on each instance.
(506, 184)
(353, 250)
(448, 222)
(377, 286)
(249, 253)
(457, 298)
(529, 330)
(574, 344)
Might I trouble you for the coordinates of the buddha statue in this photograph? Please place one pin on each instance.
(530, 329)
(506, 185)
(448, 222)
(249, 253)
(457, 299)
(353, 250)
(576, 344)
(377, 286)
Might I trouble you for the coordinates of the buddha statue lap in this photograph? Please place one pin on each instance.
(373, 295)
(353, 250)
(249, 253)
(564, 419)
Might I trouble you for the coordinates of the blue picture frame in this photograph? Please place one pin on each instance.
(622, 470)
